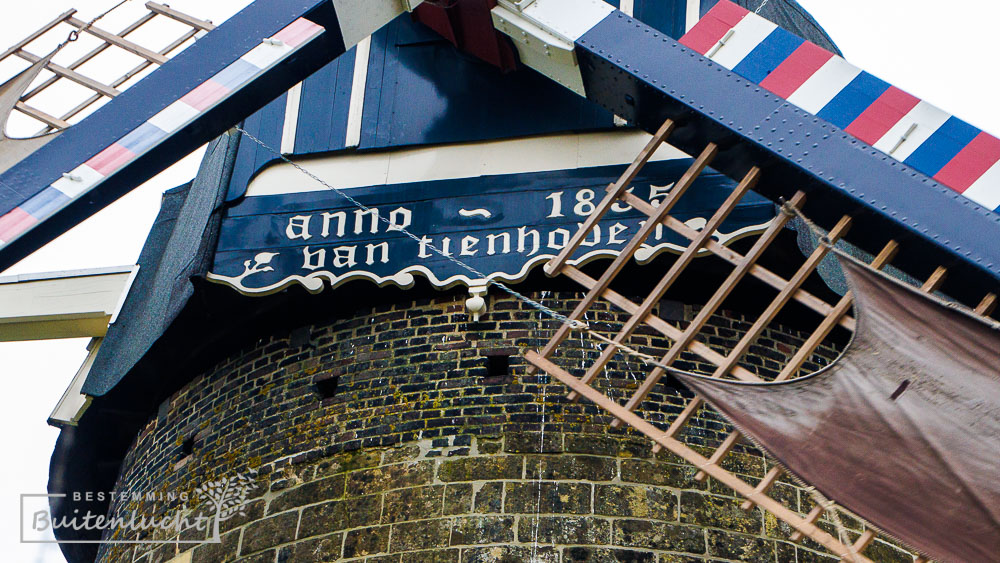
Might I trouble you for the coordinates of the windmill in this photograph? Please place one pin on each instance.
(775, 114)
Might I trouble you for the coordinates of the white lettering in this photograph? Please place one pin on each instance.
(659, 191)
(359, 220)
(522, 236)
(491, 243)
(614, 231)
(425, 242)
(313, 260)
(564, 234)
(343, 256)
(383, 246)
(399, 219)
(298, 227)
(468, 243)
(341, 218)
(556, 204)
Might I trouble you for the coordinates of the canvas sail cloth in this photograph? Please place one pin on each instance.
(903, 429)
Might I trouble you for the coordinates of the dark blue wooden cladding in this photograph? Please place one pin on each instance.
(422, 91)
(266, 125)
(326, 96)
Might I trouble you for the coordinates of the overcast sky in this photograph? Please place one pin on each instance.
(942, 52)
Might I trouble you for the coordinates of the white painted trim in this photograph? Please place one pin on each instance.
(360, 18)
(61, 305)
(73, 404)
(359, 85)
(124, 295)
(18, 278)
(464, 160)
(692, 14)
(746, 36)
(291, 125)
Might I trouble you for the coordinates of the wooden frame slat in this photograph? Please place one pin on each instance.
(52, 121)
(71, 75)
(793, 519)
(658, 324)
(69, 72)
(765, 318)
(164, 10)
(40, 32)
(727, 362)
(733, 257)
(117, 41)
(634, 244)
(709, 309)
(614, 192)
(679, 265)
(86, 58)
(125, 77)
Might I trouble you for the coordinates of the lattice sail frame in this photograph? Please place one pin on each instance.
(686, 340)
(67, 21)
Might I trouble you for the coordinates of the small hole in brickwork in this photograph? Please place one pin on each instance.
(327, 388)
(187, 447)
(497, 366)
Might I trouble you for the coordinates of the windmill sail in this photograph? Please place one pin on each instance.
(904, 429)
(13, 151)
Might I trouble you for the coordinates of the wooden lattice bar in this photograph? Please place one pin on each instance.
(70, 71)
(86, 58)
(688, 339)
(987, 305)
(796, 521)
(709, 309)
(733, 257)
(639, 317)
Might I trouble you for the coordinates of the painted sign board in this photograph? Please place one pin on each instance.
(502, 226)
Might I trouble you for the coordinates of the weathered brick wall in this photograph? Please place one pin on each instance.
(393, 436)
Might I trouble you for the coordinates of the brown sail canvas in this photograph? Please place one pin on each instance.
(903, 429)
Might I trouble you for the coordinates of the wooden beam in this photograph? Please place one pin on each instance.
(614, 192)
(40, 32)
(676, 269)
(50, 120)
(987, 305)
(663, 327)
(695, 326)
(734, 258)
(801, 525)
(634, 244)
(164, 10)
(72, 75)
(86, 58)
(124, 78)
(118, 41)
(765, 318)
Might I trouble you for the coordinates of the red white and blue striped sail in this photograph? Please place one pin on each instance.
(906, 128)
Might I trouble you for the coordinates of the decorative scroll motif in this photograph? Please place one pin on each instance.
(690, 338)
(502, 226)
